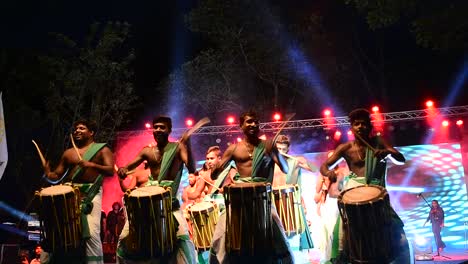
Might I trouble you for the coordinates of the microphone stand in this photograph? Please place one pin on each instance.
(438, 252)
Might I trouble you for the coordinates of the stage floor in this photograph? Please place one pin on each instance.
(449, 256)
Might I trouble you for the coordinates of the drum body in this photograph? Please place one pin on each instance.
(152, 227)
(248, 219)
(59, 213)
(367, 224)
(288, 205)
(203, 218)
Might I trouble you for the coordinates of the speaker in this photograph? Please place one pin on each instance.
(9, 253)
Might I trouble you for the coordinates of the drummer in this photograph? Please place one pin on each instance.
(255, 159)
(303, 241)
(88, 162)
(165, 161)
(206, 186)
(366, 158)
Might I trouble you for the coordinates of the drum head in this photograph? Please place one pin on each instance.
(147, 191)
(362, 194)
(56, 190)
(201, 206)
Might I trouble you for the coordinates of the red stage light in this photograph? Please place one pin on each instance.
(239, 139)
(337, 135)
(459, 122)
(429, 103)
(230, 120)
(277, 117)
(147, 125)
(375, 109)
(327, 112)
(189, 122)
(349, 133)
(445, 123)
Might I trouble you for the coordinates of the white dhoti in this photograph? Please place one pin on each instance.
(281, 252)
(184, 248)
(94, 254)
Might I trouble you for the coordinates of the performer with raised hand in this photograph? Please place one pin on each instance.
(87, 162)
(165, 161)
(366, 159)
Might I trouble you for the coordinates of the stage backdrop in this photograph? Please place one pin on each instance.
(436, 171)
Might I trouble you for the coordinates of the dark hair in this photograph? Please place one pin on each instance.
(90, 124)
(163, 119)
(215, 149)
(250, 113)
(359, 114)
(283, 139)
(116, 203)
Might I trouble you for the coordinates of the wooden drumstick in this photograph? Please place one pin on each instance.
(127, 173)
(365, 142)
(76, 148)
(280, 128)
(189, 132)
(40, 154)
(210, 183)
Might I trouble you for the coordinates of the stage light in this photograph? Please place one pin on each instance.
(147, 125)
(277, 117)
(422, 248)
(188, 122)
(337, 135)
(327, 112)
(239, 139)
(230, 120)
(459, 122)
(429, 103)
(263, 137)
(445, 123)
(350, 133)
(375, 109)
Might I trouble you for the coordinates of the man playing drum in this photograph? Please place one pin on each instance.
(365, 157)
(165, 161)
(255, 160)
(206, 184)
(88, 161)
(281, 181)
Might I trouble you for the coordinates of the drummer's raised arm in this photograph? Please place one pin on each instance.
(187, 157)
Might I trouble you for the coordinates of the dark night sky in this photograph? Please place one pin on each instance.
(157, 24)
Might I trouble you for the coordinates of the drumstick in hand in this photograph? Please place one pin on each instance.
(43, 161)
(76, 148)
(189, 132)
(364, 141)
(127, 173)
(219, 189)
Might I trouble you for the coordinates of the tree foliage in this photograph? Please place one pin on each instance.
(440, 25)
(91, 80)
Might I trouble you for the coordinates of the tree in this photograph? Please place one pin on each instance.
(94, 80)
(440, 25)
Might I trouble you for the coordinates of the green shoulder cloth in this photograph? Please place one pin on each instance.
(170, 152)
(375, 170)
(90, 189)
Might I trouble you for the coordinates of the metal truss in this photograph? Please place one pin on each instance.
(454, 111)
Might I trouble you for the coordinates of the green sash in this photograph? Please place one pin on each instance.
(375, 170)
(89, 189)
(170, 152)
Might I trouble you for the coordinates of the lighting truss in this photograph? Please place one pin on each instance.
(342, 121)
